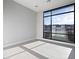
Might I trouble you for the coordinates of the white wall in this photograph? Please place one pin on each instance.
(19, 23)
(40, 25)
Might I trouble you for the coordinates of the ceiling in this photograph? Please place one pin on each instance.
(43, 5)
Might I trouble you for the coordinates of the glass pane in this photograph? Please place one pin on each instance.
(60, 37)
(47, 21)
(62, 10)
(58, 29)
(47, 28)
(47, 13)
(63, 19)
(47, 35)
(63, 27)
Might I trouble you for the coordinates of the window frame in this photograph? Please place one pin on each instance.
(59, 14)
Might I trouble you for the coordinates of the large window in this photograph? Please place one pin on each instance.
(59, 24)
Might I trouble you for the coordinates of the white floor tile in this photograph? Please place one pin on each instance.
(12, 51)
(24, 55)
(31, 45)
(53, 51)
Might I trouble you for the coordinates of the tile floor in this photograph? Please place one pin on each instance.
(40, 49)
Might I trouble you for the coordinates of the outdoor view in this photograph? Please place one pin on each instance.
(59, 25)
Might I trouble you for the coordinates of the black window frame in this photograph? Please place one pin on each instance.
(59, 14)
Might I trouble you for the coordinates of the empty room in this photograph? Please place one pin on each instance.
(38, 29)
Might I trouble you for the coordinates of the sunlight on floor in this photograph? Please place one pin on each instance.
(12, 51)
(34, 44)
(51, 51)
(24, 55)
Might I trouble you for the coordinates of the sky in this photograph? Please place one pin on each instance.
(60, 19)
